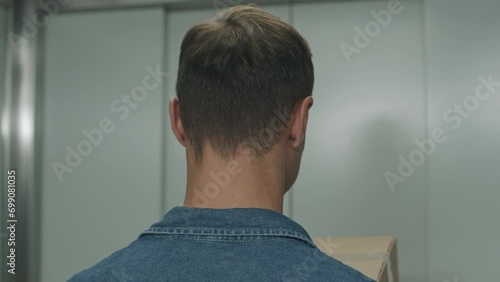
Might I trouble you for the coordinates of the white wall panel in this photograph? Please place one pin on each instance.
(463, 43)
(367, 112)
(114, 193)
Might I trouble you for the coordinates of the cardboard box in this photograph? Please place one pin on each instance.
(376, 257)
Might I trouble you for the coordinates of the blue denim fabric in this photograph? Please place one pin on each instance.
(242, 244)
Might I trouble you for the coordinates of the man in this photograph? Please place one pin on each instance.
(244, 91)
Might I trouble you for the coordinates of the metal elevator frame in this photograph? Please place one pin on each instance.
(21, 140)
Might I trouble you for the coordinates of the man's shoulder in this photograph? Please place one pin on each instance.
(293, 261)
(315, 265)
(111, 268)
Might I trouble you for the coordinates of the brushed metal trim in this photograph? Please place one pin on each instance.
(21, 139)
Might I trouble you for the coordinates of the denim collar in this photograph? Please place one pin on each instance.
(228, 222)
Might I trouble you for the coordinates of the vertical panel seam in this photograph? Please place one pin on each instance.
(426, 134)
(164, 117)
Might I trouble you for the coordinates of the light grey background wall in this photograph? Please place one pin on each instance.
(106, 201)
(366, 113)
(463, 43)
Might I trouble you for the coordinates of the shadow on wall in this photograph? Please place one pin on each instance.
(375, 147)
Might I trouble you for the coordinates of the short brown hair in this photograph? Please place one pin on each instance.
(235, 71)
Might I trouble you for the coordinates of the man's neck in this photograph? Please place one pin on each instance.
(237, 183)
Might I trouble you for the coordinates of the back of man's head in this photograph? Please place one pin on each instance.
(236, 72)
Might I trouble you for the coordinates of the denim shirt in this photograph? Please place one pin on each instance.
(240, 244)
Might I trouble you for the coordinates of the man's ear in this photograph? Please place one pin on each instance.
(299, 116)
(175, 121)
